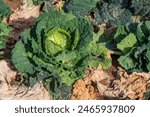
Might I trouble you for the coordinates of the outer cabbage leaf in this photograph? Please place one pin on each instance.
(20, 59)
(148, 59)
(127, 62)
(127, 43)
(5, 32)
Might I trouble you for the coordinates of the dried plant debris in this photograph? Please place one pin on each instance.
(105, 86)
(13, 4)
(16, 91)
(86, 89)
(24, 16)
(83, 91)
(134, 85)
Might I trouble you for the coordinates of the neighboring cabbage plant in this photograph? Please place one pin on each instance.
(134, 42)
(113, 12)
(58, 49)
(141, 8)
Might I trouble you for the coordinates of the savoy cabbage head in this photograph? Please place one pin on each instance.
(58, 49)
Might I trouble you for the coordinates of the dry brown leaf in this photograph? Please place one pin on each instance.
(86, 89)
(21, 18)
(103, 80)
(105, 86)
(82, 91)
(14, 91)
(24, 16)
(135, 85)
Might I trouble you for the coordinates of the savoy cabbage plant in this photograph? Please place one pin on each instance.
(58, 49)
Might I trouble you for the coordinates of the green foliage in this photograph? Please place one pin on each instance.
(59, 37)
(127, 43)
(4, 10)
(4, 28)
(135, 46)
(113, 12)
(59, 48)
(110, 11)
(37, 2)
(140, 7)
(120, 12)
(4, 34)
(80, 7)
